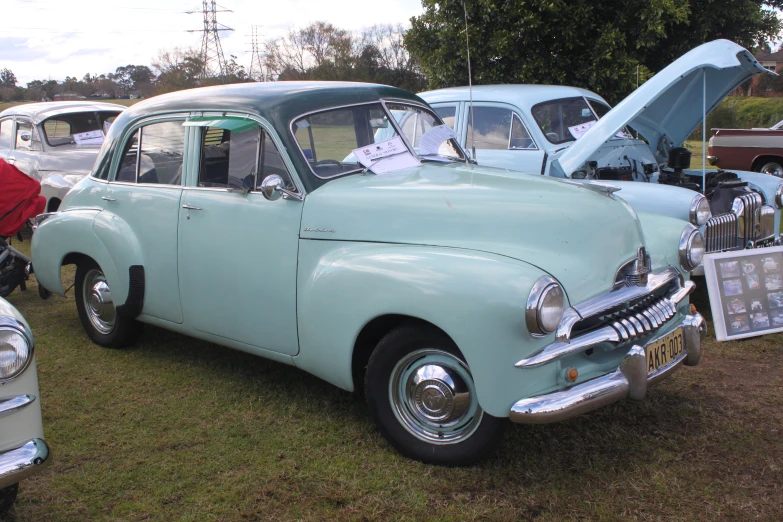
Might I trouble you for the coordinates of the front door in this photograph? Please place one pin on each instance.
(238, 250)
(501, 138)
(6, 137)
(144, 197)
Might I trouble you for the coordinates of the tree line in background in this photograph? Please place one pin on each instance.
(600, 45)
(319, 51)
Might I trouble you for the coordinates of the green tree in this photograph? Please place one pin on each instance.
(586, 43)
(7, 78)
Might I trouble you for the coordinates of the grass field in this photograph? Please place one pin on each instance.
(176, 429)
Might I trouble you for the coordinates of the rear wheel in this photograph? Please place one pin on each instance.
(773, 168)
(423, 398)
(97, 310)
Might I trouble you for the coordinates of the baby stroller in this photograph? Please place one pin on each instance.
(20, 201)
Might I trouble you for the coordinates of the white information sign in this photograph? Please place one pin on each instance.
(430, 141)
(386, 156)
(88, 138)
(578, 130)
(746, 292)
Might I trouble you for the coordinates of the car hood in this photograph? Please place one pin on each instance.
(668, 106)
(76, 161)
(579, 236)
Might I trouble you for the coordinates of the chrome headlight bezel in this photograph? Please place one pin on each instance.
(692, 248)
(700, 211)
(546, 293)
(16, 327)
(779, 195)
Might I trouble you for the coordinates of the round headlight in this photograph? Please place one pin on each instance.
(692, 248)
(779, 195)
(15, 353)
(544, 306)
(700, 210)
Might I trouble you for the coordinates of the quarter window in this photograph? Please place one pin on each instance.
(154, 155)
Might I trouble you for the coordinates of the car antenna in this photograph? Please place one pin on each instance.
(470, 89)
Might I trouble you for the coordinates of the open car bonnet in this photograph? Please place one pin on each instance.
(668, 106)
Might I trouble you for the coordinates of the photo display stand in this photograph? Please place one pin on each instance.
(746, 292)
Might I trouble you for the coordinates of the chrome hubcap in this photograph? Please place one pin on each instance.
(98, 302)
(434, 398)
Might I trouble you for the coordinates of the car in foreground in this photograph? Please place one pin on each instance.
(23, 451)
(452, 297)
(55, 142)
(572, 133)
(759, 150)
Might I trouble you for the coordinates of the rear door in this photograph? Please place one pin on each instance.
(26, 150)
(144, 195)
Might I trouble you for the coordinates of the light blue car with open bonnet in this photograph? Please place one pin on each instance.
(452, 297)
(572, 133)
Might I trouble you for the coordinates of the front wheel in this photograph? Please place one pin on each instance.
(7, 498)
(97, 311)
(423, 398)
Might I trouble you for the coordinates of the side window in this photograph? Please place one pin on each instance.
(6, 132)
(154, 155)
(272, 162)
(24, 135)
(520, 138)
(58, 132)
(229, 158)
(447, 114)
(491, 129)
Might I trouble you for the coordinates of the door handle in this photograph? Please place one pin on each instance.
(107, 198)
(191, 207)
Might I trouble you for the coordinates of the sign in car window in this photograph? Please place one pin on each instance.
(746, 292)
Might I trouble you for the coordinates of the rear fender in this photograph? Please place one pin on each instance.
(66, 233)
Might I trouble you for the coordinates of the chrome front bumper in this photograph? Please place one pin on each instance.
(22, 462)
(630, 380)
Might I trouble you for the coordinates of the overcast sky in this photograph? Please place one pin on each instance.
(43, 39)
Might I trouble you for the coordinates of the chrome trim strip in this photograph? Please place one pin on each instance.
(12, 404)
(630, 380)
(622, 330)
(23, 462)
(611, 299)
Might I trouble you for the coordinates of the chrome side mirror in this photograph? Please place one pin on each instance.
(271, 187)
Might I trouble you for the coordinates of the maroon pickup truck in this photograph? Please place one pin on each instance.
(758, 150)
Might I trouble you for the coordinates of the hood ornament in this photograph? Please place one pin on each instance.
(635, 272)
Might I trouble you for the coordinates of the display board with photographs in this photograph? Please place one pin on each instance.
(746, 292)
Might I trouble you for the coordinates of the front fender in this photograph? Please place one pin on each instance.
(654, 198)
(662, 238)
(478, 299)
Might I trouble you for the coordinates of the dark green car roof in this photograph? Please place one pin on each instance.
(277, 102)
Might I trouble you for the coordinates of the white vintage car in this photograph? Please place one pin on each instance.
(55, 142)
(23, 451)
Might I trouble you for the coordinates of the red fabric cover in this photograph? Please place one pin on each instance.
(16, 187)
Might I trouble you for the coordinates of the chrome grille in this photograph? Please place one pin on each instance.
(643, 318)
(721, 233)
(749, 215)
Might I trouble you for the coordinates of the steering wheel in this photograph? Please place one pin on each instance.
(327, 162)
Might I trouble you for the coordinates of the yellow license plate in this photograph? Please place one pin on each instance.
(664, 350)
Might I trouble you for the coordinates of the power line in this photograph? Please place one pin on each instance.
(211, 50)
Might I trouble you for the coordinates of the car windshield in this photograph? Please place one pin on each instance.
(82, 129)
(565, 119)
(777, 126)
(600, 108)
(328, 138)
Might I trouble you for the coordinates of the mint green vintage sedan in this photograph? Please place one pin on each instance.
(453, 296)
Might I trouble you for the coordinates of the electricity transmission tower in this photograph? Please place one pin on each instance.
(211, 51)
(256, 63)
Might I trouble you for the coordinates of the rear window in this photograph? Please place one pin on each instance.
(78, 128)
